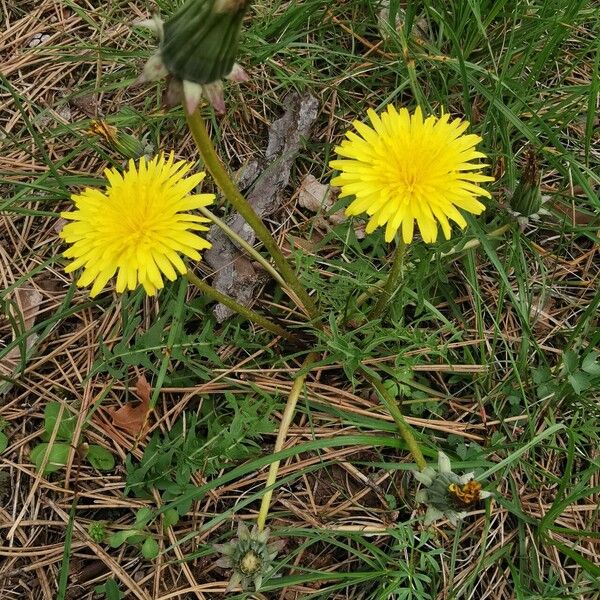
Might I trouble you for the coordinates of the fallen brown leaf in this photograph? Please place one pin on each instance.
(540, 314)
(313, 195)
(132, 417)
(295, 241)
(319, 198)
(575, 216)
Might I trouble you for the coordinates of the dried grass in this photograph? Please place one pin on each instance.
(34, 509)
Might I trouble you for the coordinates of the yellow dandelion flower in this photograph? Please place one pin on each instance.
(138, 227)
(405, 168)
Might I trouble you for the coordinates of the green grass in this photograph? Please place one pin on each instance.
(494, 380)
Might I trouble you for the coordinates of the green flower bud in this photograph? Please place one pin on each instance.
(526, 201)
(201, 40)
(198, 46)
(97, 531)
(125, 144)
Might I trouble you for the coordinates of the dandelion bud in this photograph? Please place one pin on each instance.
(124, 143)
(198, 45)
(526, 200)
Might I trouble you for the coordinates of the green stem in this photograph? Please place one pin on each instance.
(286, 420)
(474, 243)
(393, 278)
(403, 427)
(223, 180)
(240, 241)
(242, 310)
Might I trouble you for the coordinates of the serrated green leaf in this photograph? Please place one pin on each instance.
(541, 375)
(118, 538)
(391, 386)
(100, 458)
(111, 589)
(579, 382)
(3, 442)
(461, 451)
(171, 517)
(570, 361)
(143, 516)
(546, 390)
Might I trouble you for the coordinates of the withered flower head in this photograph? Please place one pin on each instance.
(447, 494)
(249, 556)
(198, 45)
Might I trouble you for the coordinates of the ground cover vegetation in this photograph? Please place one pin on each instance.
(373, 373)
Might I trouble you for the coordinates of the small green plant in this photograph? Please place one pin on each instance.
(50, 457)
(139, 535)
(97, 531)
(402, 385)
(414, 579)
(198, 444)
(110, 590)
(576, 375)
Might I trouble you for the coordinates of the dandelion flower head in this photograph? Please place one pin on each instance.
(137, 227)
(405, 168)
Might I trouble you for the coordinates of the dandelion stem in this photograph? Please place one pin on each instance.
(403, 427)
(286, 420)
(473, 243)
(393, 279)
(242, 310)
(240, 241)
(219, 173)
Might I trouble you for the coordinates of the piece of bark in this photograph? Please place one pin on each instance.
(235, 274)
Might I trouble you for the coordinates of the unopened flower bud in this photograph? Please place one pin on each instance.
(97, 531)
(526, 201)
(124, 143)
(198, 45)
